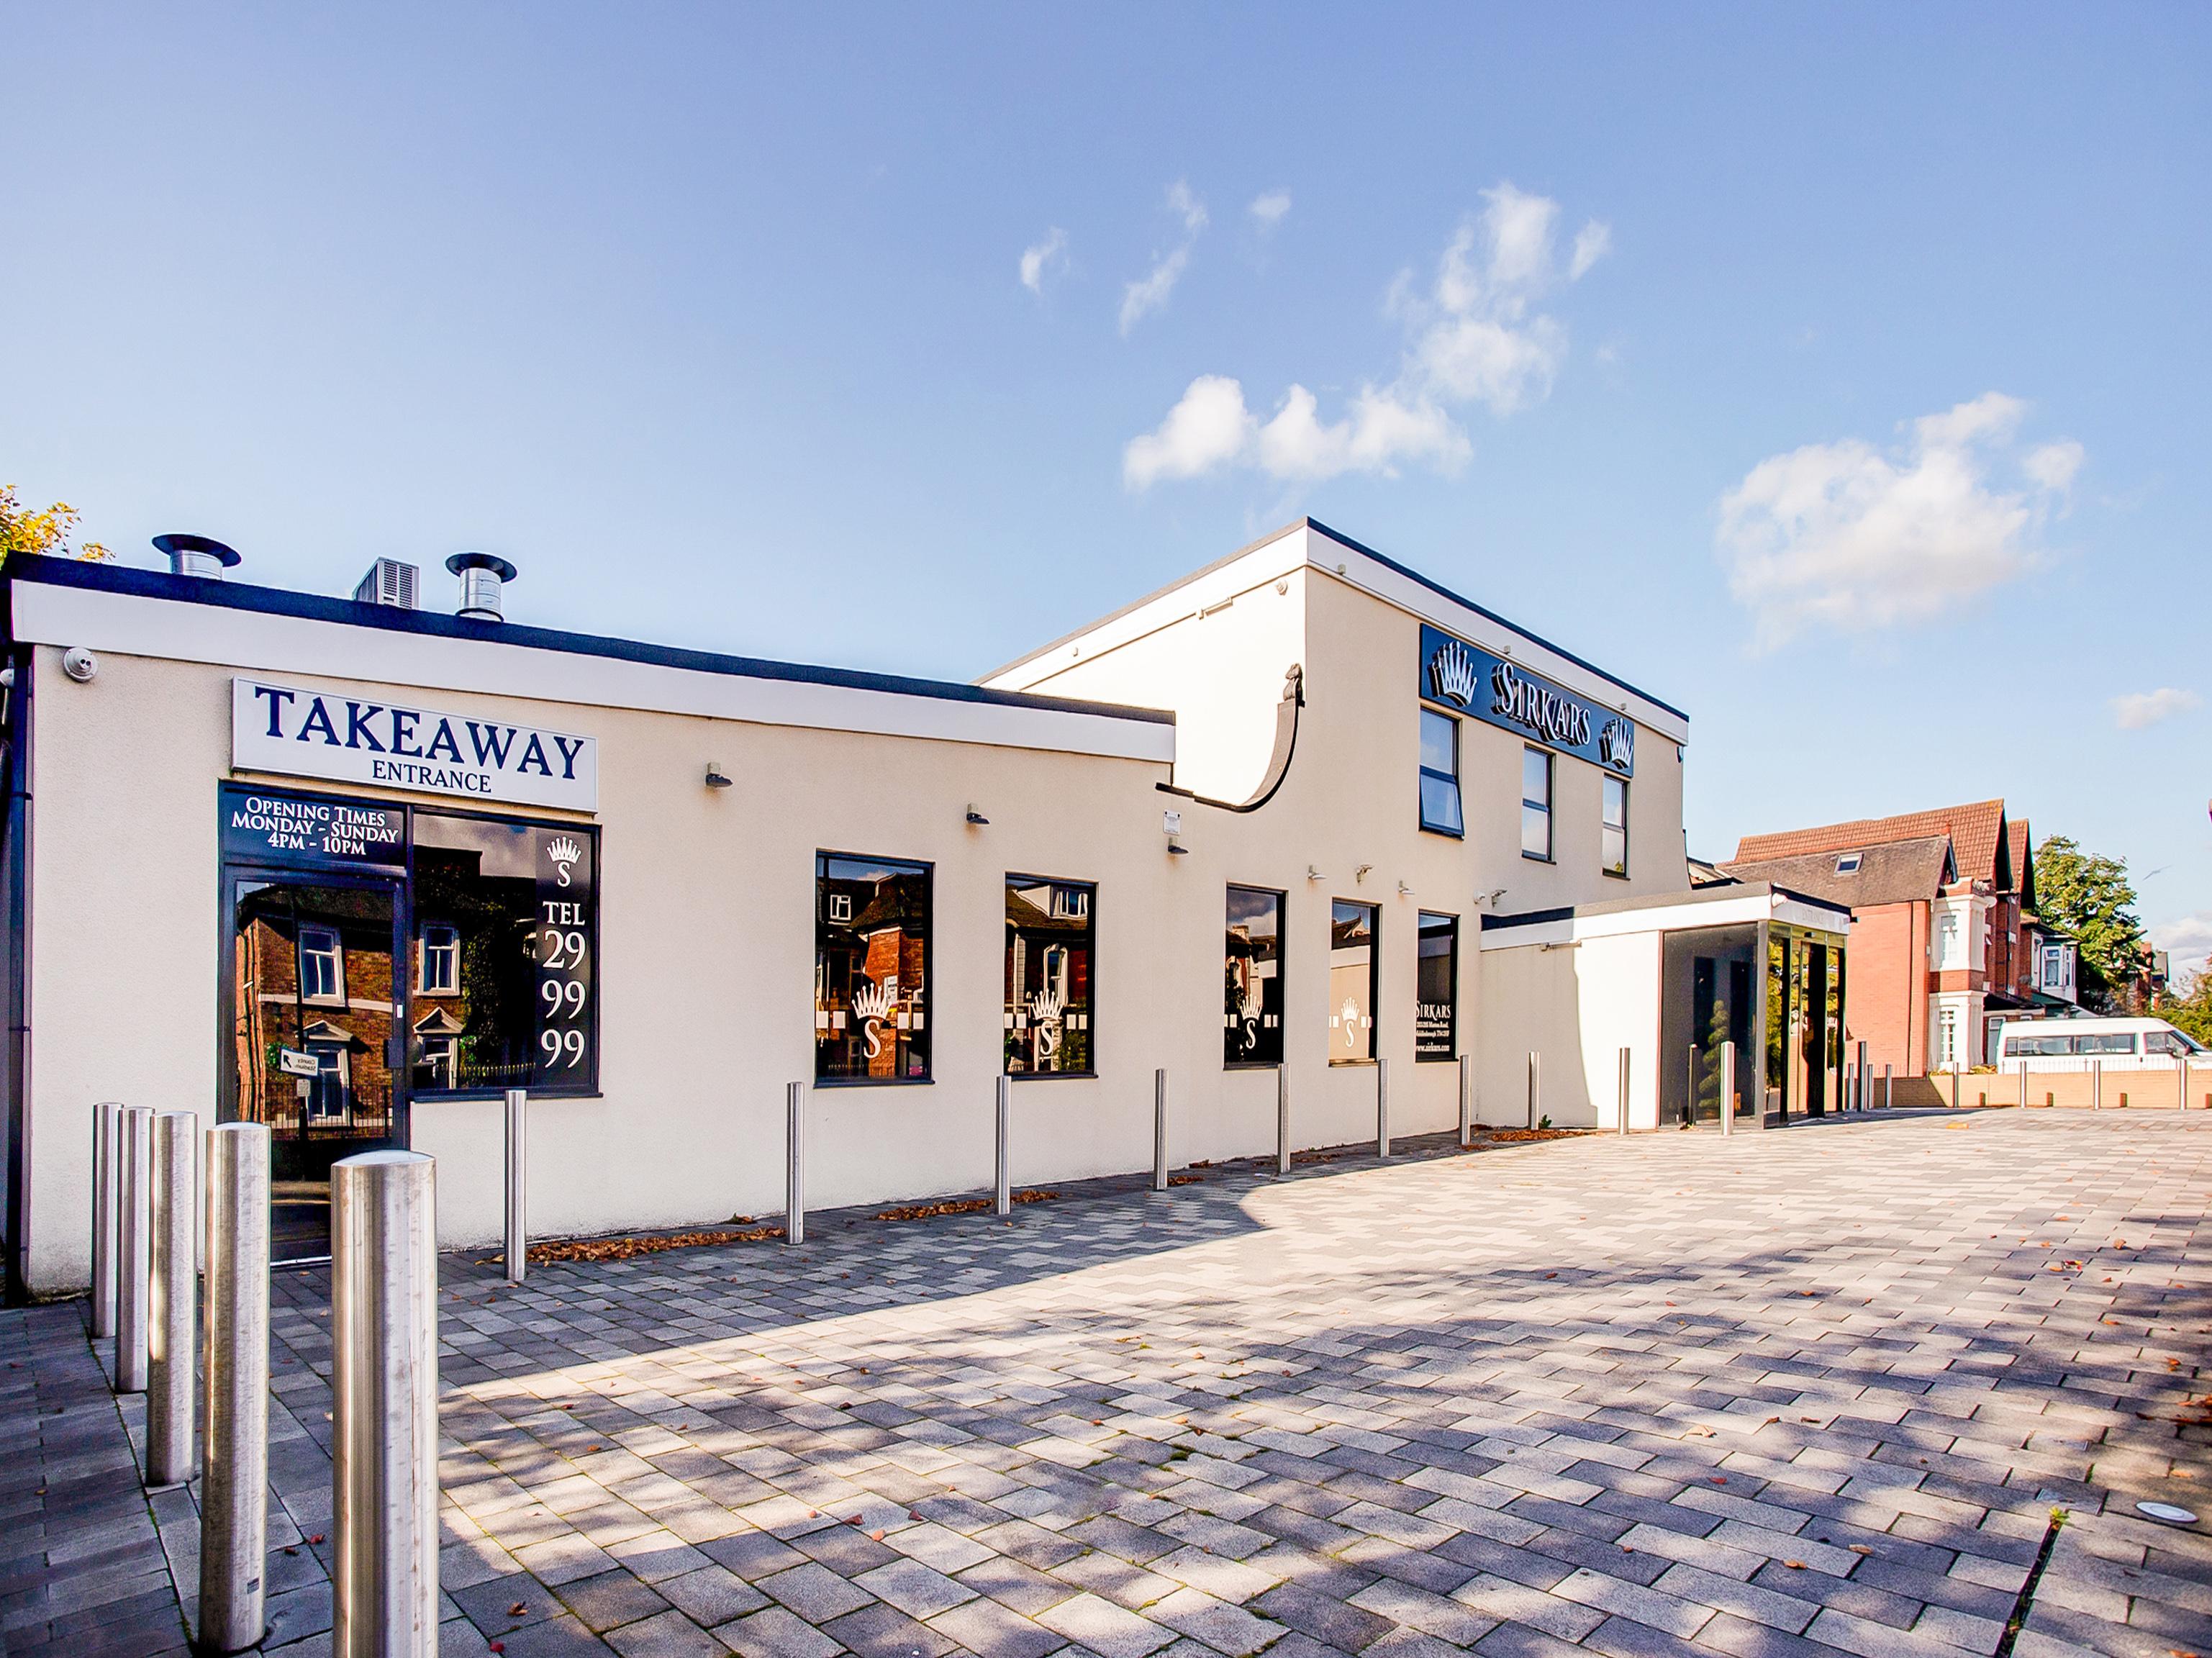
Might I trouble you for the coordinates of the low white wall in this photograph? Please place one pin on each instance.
(1576, 1006)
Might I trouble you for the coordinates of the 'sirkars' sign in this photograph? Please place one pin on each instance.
(353, 739)
(1465, 677)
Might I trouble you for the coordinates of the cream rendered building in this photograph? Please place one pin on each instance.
(352, 867)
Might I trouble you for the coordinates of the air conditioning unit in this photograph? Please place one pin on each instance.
(388, 582)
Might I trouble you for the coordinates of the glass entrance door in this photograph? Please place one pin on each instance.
(317, 1010)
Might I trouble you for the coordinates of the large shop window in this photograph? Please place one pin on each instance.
(1352, 982)
(871, 969)
(1613, 852)
(1048, 988)
(1440, 806)
(505, 954)
(1252, 1016)
(1537, 804)
(1436, 1018)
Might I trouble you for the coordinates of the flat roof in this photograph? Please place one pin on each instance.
(1365, 551)
(282, 602)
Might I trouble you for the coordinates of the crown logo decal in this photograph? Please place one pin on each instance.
(871, 1001)
(1616, 744)
(564, 852)
(1451, 673)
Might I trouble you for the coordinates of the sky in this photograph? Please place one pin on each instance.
(1835, 375)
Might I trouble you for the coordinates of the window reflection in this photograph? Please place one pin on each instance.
(1252, 1013)
(1440, 805)
(1536, 804)
(870, 968)
(1351, 974)
(1048, 975)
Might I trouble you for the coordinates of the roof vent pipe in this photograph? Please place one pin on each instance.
(196, 556)
(481, 575)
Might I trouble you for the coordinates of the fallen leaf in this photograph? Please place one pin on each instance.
(875, 1537)
(518, 1609)
(1861, 1548)
(316, 1538)
(1795, 1565)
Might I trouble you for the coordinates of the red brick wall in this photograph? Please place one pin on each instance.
(1886, 987)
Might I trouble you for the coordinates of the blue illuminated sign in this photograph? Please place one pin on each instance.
(1466, 678)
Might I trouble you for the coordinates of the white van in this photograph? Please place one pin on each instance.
(2070, 1044)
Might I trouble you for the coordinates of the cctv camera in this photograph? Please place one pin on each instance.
(79, 663)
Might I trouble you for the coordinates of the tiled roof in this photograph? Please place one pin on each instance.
(2021, 845)
(1889, 872)
(1976, 832)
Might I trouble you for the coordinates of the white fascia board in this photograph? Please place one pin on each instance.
(1661, 916)
(132, 625)
(1270, 561)
(1392, 588)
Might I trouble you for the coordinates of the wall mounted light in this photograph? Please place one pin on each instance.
(716, 780)
(975, 818)
(1313, 873)
(1404, 891)
(1491, 896)
(1360, 874)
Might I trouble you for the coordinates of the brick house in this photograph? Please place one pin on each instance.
(1945, 944)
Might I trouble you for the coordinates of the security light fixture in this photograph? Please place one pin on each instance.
(1360, 874)
(1313, 871)
(975, 818)
(1404, 891)
(715, 778)
(1491, 896)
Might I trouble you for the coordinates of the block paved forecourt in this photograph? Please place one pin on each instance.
(1794, 1392)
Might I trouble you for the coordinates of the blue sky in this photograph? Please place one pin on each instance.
(1835, 375)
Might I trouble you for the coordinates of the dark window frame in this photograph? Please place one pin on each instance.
(1550, 853)
(1606, 786)
(1089, 919)
(927, 867)
(1421, 919)
(1456, 831)
(1282, 898)
(1374, 978)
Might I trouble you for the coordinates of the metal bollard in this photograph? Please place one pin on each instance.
(1002, 1180)
(1535, 1082)
(1382, 1110)
(1958, 1084)
(1885, 1088)
(1282, 1117)
(1620, 1116)
(2096, 1085)
(134, 1247)
(1689, 1100)
(106, 1136)
(795, 1164)
(518, 1184)
(1728, 1088)
(2023, 1084)
(384, 1387)
(2181, 1082)
(1466, 1101)
(172, 1299)
(234, 1420)
(1866, 1081)
(1160, 1129)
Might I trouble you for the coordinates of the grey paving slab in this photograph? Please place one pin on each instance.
(1801, 1392)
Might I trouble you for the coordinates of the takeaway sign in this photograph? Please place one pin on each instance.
(353, 739)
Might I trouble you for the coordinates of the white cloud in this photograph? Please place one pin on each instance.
(2053, 465)
(1845, 536)
(1268, 211)
(1040, 259)
(1592, 243)
(2187, 941)
(1150, 291)
(1208, 427)
(1475, 335)
(2136, 710)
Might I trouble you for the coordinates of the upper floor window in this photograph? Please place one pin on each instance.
(441, 959)
(322, 965)
(1948, 951)
(1537, 804)
(1848, 864)
(1612, 848)
(1440, 805)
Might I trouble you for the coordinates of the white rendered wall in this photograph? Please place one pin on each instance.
(1576, 1006)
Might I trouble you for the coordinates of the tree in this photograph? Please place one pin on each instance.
(2089, 899)
(23, 531)
(2193, 1013)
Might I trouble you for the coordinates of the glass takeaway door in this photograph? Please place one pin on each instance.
(317, 1016)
